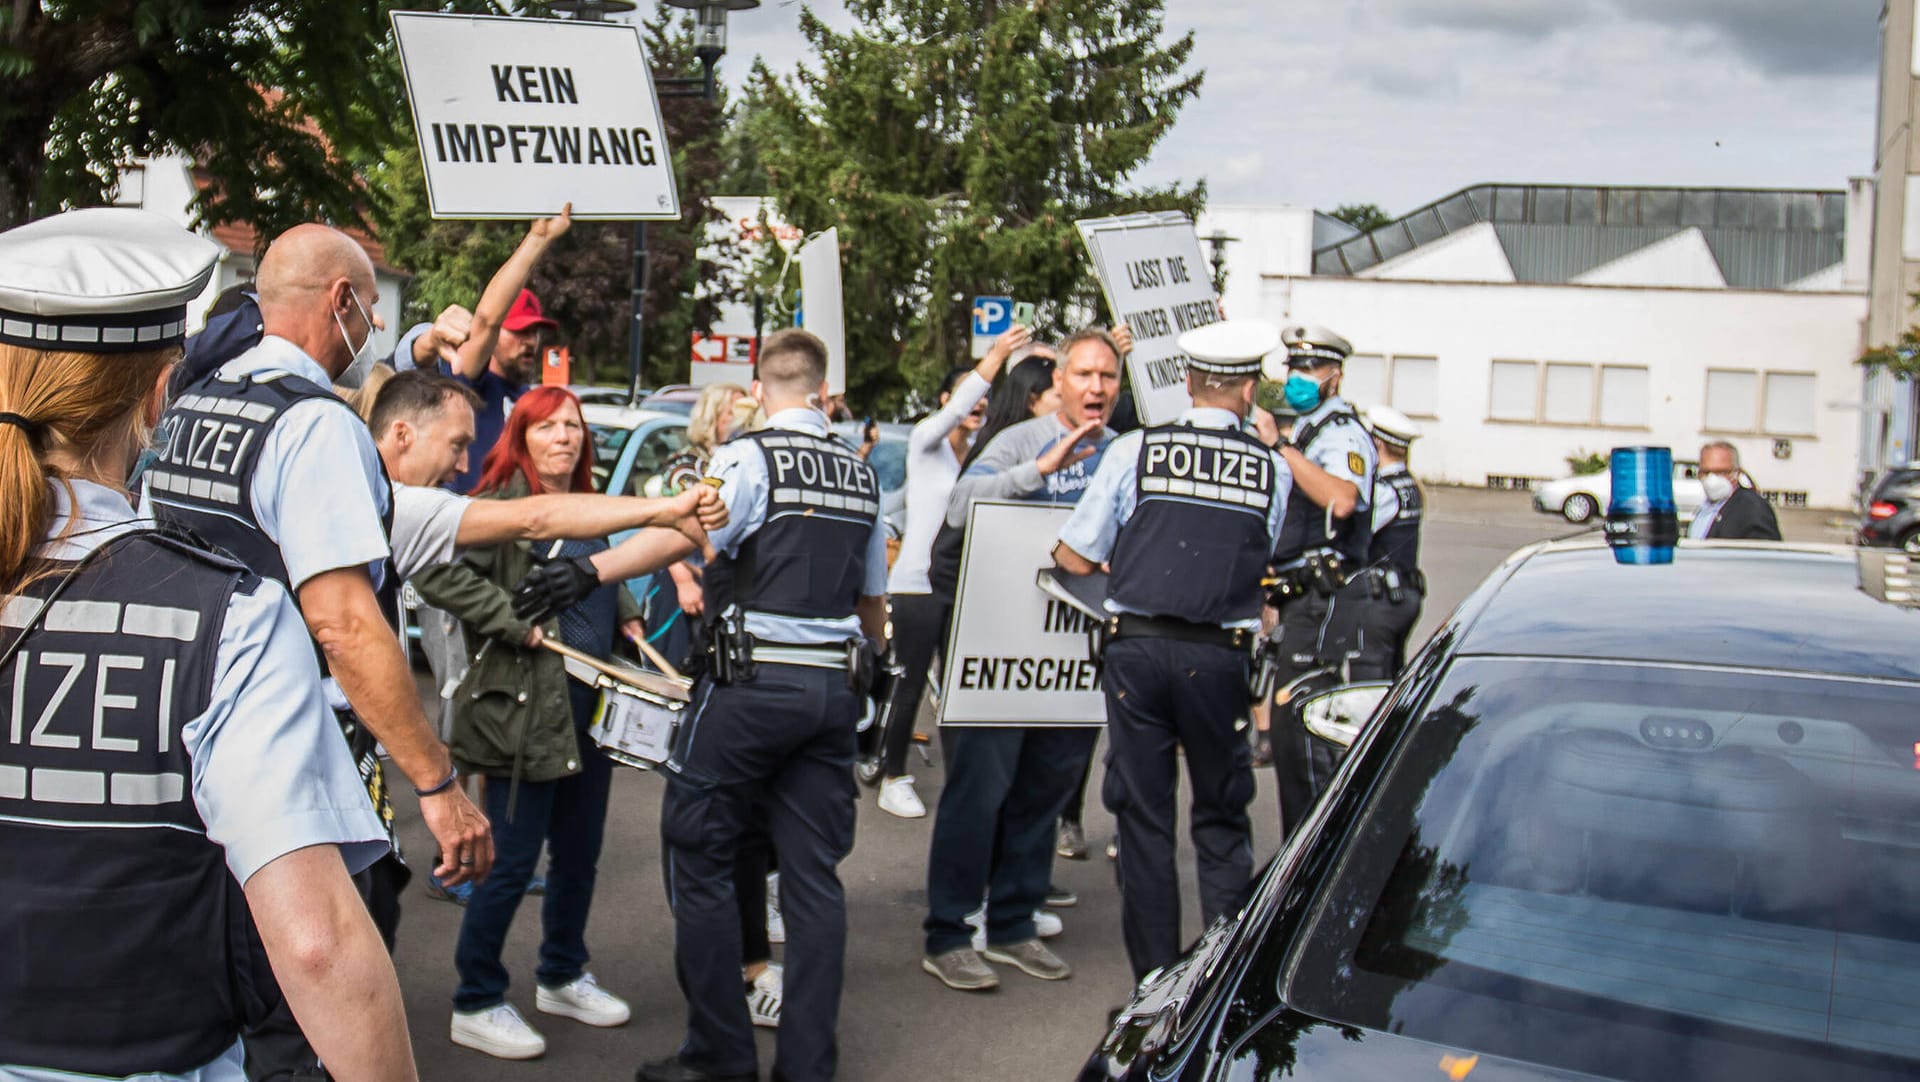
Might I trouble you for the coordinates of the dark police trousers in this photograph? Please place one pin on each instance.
(1384, 627)
(1162, 695)
(1317, 632)
(779, 745)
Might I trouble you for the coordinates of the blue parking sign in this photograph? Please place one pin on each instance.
(992, 316)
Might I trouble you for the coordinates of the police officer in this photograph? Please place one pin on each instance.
(796, 609)
(1323, 544)
(1186, 514)
(173, 766)
(262, 461)
(1393, 560)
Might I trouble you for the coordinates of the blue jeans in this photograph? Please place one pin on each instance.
(570, 816)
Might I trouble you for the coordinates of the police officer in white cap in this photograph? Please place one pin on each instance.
(1323, 542)
(263, 461)
(1186, 515)
(174, 767)
(1393, 558)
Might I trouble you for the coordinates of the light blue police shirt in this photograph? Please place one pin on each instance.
(1386, 506)
(741, 467)
(1109, 499)
(1345, 451)
(270, 772)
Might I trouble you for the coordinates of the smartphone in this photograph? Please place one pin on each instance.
(1023, 313)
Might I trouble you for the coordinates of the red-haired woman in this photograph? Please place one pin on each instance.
(519, 721)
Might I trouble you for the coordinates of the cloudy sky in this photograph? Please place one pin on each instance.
(1400, 102)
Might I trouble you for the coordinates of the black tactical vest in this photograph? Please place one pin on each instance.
(202, 482)
(809, 558)
(1306, 523)
(1396, 543)
(128, 943)
(1197, 541)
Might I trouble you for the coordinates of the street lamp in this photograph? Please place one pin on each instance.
(1218, 241)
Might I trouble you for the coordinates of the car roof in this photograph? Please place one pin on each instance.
(609, 415)
(1783, 607)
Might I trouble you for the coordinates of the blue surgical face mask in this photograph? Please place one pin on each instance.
(1302, 392)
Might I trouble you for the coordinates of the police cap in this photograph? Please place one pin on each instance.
(1392, 427)
(1232, 347)
(103, 280)
(1309, 346)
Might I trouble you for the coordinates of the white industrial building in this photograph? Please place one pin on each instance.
(1523, 324)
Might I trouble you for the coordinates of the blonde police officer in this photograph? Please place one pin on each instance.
(172, 765)
(1186, 515)
(1323, 544)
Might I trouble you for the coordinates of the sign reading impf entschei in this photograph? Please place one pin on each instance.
(1014, 655)
(516, 117)
(1158, 284)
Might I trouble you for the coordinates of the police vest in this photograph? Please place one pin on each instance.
(203, 480)
(131, 948)
(1197, 541)
(809, 559)
(1396, 543)
(1305, 525)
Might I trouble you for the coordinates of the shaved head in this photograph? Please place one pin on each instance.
(317, 290)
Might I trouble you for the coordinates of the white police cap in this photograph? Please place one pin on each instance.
(1308, 345)
(1392, 427)
(1232, 347)
(104, 280)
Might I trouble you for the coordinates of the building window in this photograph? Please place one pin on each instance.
(1516, 391)
(1568, 396)
(1625, 394)
(1416, 386)
(1364, 379)
(1733, 400)
(1789, 404)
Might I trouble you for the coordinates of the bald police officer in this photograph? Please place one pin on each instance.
(1323, 543)
(1186, 514)
(1396, 583)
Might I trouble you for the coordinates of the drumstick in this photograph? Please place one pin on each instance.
(653, 655)
(584, 658)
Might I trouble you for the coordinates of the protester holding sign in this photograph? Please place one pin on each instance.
(935, 449)
(1186, 514)
(1011, 782)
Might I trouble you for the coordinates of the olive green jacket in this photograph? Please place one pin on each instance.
(511, 716)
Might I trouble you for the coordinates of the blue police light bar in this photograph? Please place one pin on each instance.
(1642, 524)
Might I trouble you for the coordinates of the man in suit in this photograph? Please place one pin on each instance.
(1731, 511)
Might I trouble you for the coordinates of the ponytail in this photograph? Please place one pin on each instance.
(63, 414)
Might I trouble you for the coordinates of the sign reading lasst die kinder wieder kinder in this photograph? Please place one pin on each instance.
(516, 117)
(1014, 655)
(1158, 284)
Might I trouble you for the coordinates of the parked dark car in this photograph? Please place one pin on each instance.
(1615, 822)
(1893, 512)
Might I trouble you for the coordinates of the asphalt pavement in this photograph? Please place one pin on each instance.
(897, 1023)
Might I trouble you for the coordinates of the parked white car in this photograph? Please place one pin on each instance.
(1579, 498)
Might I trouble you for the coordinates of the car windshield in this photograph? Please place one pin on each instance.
(889, 462)
(1639, 872)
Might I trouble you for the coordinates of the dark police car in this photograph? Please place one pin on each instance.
(1614, 822)
(1893, 512)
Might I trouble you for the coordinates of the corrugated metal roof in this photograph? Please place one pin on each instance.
(1762, 238)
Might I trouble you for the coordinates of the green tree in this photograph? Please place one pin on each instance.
(275, 99)
(953, 144)
(585, 280)
(1902, 358)
(1365, 217)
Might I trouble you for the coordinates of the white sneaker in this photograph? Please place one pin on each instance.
(764, 997)
(776, 924)
(898, 798)
(498, 1031)
(583, 1000)
(1046, 923)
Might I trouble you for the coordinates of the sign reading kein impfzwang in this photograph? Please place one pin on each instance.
(1016, 656)
(516, 117)
(1158, 284)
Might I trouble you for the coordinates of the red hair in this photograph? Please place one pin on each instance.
(509, 456)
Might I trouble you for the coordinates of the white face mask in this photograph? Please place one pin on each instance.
(356, 371)
(1717, 487)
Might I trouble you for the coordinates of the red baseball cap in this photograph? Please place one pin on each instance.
(526, 313)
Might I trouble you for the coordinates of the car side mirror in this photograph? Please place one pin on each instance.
(1337, 716)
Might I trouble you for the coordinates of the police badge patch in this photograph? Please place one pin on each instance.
(1357, 464)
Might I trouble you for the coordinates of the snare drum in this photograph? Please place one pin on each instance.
(639, 711)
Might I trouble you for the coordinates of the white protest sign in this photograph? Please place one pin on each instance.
(516, 117)
(820, 303)
(1156, 283)
(1016, 656)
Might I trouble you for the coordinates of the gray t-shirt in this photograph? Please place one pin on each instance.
(426, 524)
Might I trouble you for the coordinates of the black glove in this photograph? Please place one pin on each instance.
(553, 586)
